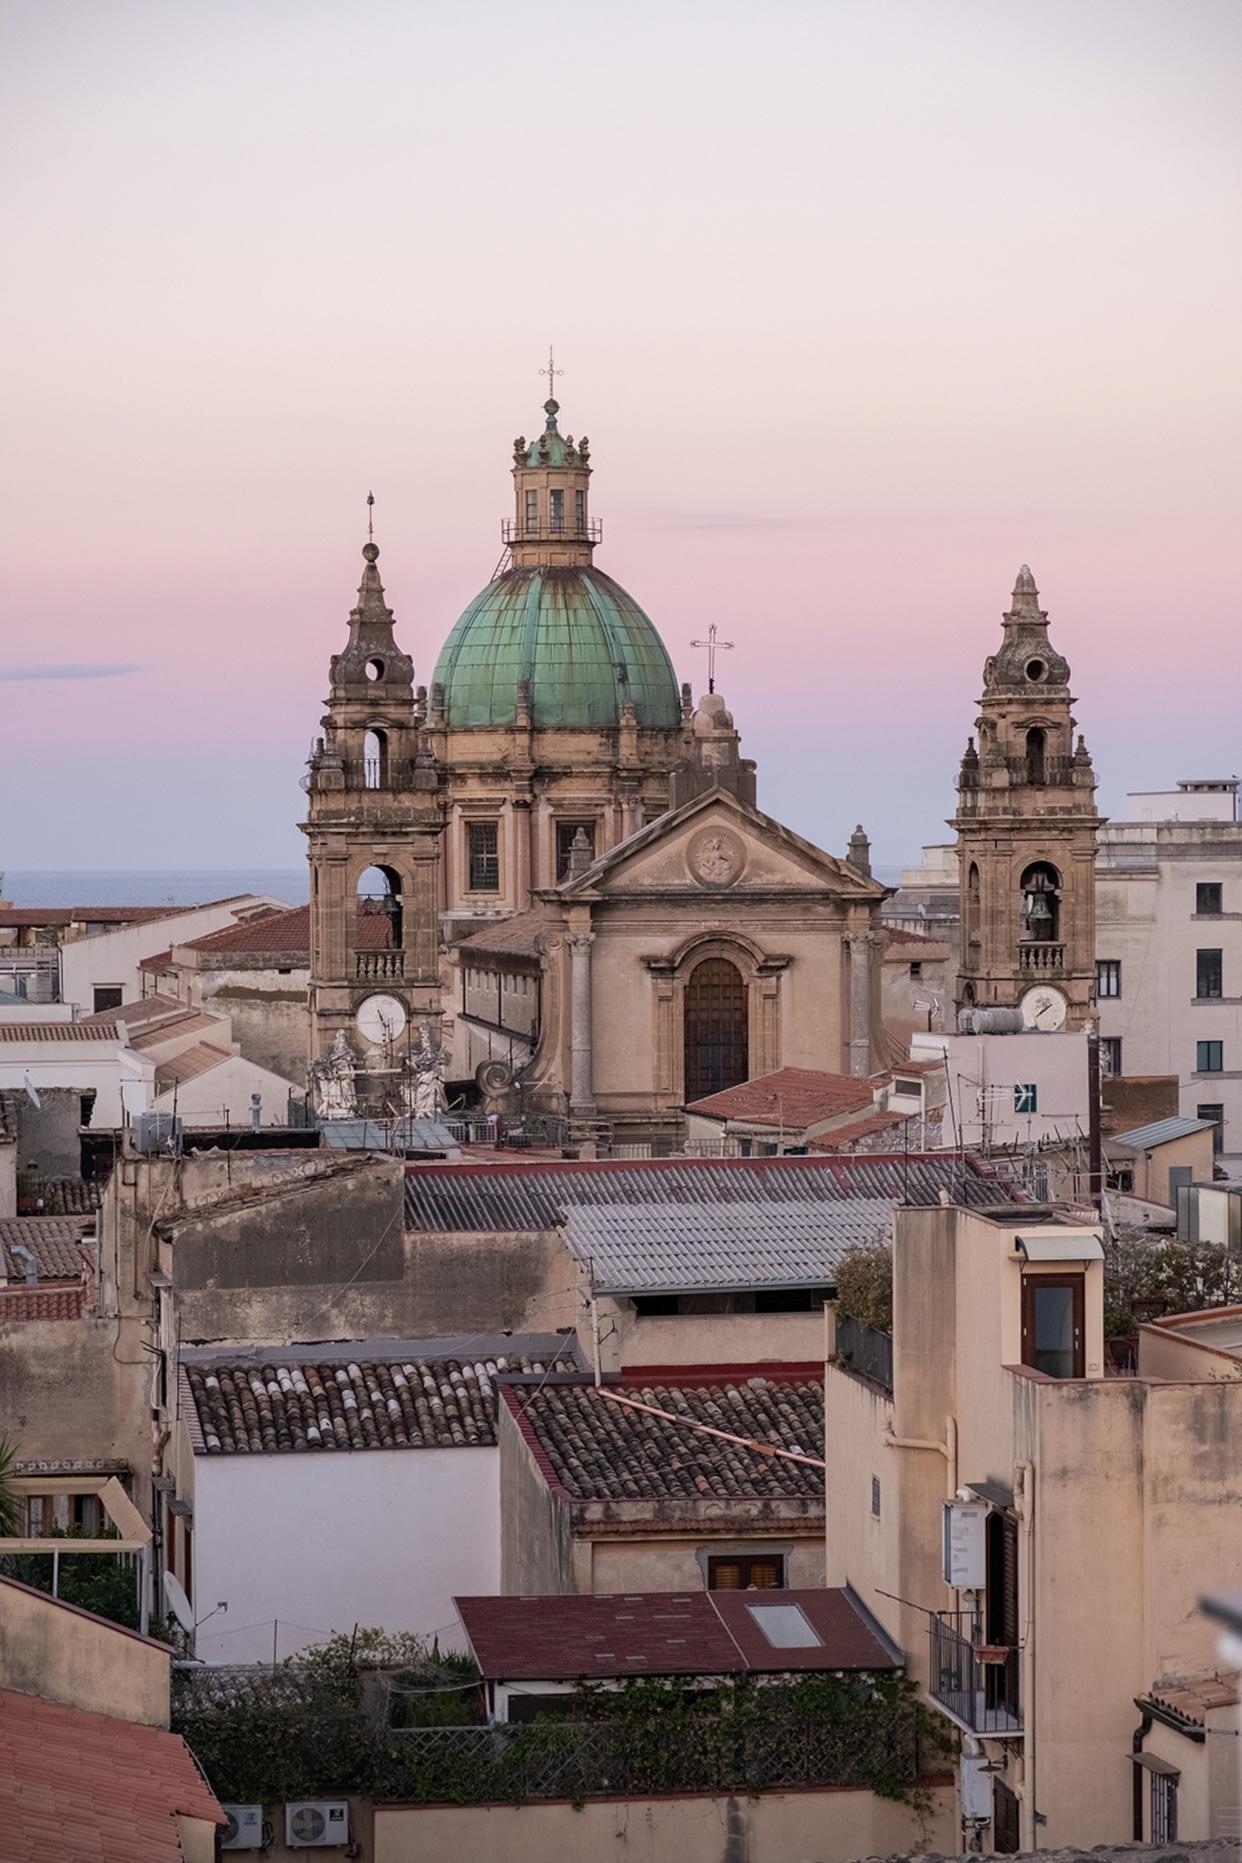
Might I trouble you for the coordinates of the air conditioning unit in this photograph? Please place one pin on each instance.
(316, 1823)
(244, 1830)
(156, 1132)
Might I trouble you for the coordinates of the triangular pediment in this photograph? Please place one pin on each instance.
(715, 845)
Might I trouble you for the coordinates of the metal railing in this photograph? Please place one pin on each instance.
(867, 1351)
(981, 1694)
(585, 530)
(1039, 958)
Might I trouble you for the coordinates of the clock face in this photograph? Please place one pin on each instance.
(381, 1019)
(1044, 1008)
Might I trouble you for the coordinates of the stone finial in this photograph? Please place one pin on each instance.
(687, 701)
(581, 854)
(435, 713)
(1025, 599)
(519, 450)
(859, 855)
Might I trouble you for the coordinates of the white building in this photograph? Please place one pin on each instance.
(1169, 948)
(102, 972)
(317, 1490)
(1022, 1090)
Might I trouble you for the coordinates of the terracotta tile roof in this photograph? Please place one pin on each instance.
(22, 916)
(189, 1064)
(932, 1065)
(161, 961)
(134, 1015)
(60, 1196)
(515, 936)
(793, 1097)
(842, 1137)
(1194, 1701)
(189, 1022)
(41, 1303)
(54, 1241)
(83, 1788)
(105, 1028)
(574, 1636)
(374, 1404)
(897, 934)
(596, 1450)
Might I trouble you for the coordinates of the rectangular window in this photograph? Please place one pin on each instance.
(1052, 1340)
(532, 511)
(1163, 1808)
(1208, 898)
(1209, 1057)
(108, 996)
(565, 832)
(1110, 1055)
(875, 1496)
(580, 511)
(483, 850)
(1216, 1113)
(916, 968)
(1026, 1097)
(747, 1572)
(1108, 976)
(556, 506)
(1209, 973)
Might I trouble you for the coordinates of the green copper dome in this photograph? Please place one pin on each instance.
(585, 647)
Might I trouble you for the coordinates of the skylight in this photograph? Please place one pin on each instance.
(786, 1626)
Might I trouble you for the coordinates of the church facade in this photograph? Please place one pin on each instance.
(549, 868)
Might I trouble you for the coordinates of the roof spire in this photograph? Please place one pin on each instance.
(1025, 594)
(370, 508)
(551, 406)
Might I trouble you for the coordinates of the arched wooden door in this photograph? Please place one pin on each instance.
(715, 1028)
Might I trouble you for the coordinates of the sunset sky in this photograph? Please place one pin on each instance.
(862, 304)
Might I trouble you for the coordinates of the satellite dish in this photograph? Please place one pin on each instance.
(178, 1603)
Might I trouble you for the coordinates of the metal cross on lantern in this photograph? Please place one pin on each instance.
(551, 372)
(714, 646)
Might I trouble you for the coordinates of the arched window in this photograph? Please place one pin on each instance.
(375, 760)
(972, 904)
(1041, 903)
(1035, 745)
(715, 1028)
(379, 910)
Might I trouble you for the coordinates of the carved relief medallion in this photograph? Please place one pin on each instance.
(717, 857)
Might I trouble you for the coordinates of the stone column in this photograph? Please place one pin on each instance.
(859, 944)
(581, 1084)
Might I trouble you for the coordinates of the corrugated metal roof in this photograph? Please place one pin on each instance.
(676, 1248)
(522, 1197)
(1161, 1132)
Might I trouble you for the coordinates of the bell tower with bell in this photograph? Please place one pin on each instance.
(1026, 834)
(373, 827)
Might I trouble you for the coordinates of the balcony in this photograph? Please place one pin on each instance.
(539, 530)
(379, 966)
(1039, 959)
(866, 1351)
(977, 1686)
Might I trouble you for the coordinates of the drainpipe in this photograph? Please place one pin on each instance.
(948, 1448)
(1023, 1505)
(1136, 1746)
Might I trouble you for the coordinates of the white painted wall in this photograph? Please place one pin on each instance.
(113, 957)
(982, 1072)
(222, 1095)
(83, 1066)
(316, 1543)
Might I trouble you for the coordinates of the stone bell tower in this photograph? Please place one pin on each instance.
(1026, 834)
(374, 810)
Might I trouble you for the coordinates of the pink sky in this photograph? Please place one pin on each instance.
(861, 303)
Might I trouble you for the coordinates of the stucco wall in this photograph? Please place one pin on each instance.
(306, 1545)
(1166, 1352)
(709, 1338)
(113, 957)
(77, 1389)
(828, 1827)
(536, 1552)
(861, 1548)
(222, 1096)
(983, 1071)
(72, 1657)
(672, 1563)
(268, 1010)
(1151, 1169)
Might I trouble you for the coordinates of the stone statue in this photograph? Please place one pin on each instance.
(333, 1078)
(422, 1087)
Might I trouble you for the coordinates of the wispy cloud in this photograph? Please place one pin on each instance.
(69, 671)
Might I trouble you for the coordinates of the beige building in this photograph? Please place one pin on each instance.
(1026, 832)
(1036, 1535)
(1169, 949)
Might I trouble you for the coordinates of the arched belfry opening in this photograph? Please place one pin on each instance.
(375, 759)
(716, 1032)
(1041, 903)
(1036, 746)
(380, 910)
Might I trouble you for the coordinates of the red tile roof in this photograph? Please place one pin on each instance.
(41, 1302)
(189, 1064)
(54, 1241)
(794, 1097)
(843, 1136)
(104, 1030)
(897, 934)
(84, 915)
(189, 1022)
(84, 1788)
(570, 1637)
(160, 962)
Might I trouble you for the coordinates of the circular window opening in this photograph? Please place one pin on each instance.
(375, 669)
(1035, 669)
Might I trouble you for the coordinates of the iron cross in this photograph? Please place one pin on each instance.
(551, 372)
(714, 646)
